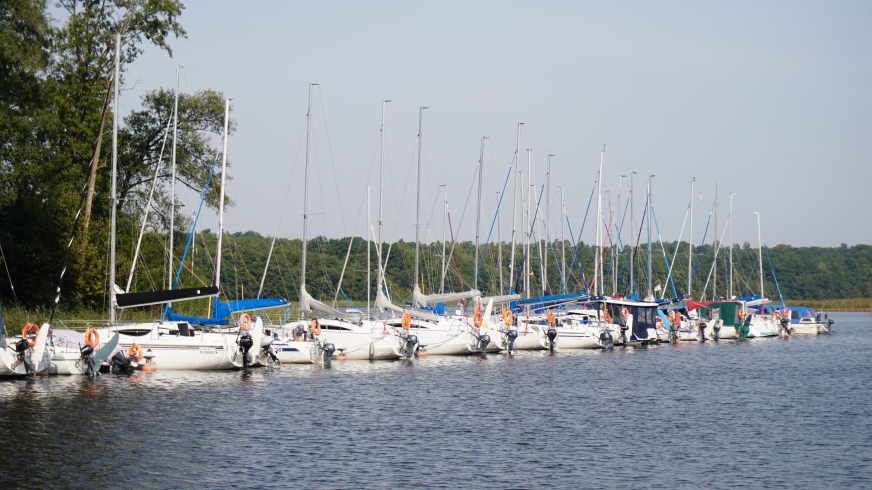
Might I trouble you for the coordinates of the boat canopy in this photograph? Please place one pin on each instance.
(194, 320)
(223, 310)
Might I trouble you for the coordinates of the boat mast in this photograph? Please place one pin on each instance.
(173, 183)
(528, 226)
(690, 241)
(515, 208)
(760, 256)
(418, 200)
(500, 245)
(444, 227)
(650, 291)
(217, 281)
(547, 217)
(618, 239)
(368, 255)
(381, 185)
(114, 185)
(305, 194)
(478, 210)
(562, 242)
(598, 269)
(731, 244)
(632, 237)
(715, 248)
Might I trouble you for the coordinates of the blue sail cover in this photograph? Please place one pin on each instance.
(223, 310)
(193, 320)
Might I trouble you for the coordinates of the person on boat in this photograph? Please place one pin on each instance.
(298, 332)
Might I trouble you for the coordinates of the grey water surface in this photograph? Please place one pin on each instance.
(794, 413)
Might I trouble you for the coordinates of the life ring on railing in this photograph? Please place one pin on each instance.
(551, 318)
(407, 320)
(477, 317)
(625, 312)
(778, 314)
(659, 322)
(245, 322)
(92, 338)
(135, 351)
(27, 328)
(508, 319)
(606, 316)
(315, 326)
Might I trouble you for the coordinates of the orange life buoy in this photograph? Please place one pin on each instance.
(135, 351)
(741, 313)
(315, 326)
(92, 338)
(27, 328)
(625, 312)
(551, 319)
(606, 316)
(407, 320)
(478, 318)
(777, 314)
(508, 319)
(245, 322)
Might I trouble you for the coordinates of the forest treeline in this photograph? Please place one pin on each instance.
(56, 119)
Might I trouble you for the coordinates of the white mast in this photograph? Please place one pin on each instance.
(515, 208)
(650, 219)
(444, 228)
(173, 181)
(690, 241)
(368, 255)
(305, 195)
(715, 248)
(598, 269)
(113, 190)
(632, 237)
(562, 242)
(547, 218)
(381, 184)
(731, 244)
(760, 254)
(418, 200)
(528, 226)
(500, 244)
(217, 281)
(478, 210)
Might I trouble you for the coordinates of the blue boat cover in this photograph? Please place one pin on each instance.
(223, 310)
(552, 299)
(663, 317)
(193, 320)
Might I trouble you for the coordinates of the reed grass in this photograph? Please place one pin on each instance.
(850, 304)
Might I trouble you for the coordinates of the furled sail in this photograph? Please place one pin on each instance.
(382, 303)
(425, 300)
(308, 303)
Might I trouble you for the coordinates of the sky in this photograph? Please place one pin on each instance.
(768, 100)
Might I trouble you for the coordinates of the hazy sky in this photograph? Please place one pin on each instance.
(771, 99)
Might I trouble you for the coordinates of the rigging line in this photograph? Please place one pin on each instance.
(6, 264)
(701, 244)
(463, 214)
(677, 247)
(69, 249)
(530, 233)
(773, 275)
(575, 246)
(714, 263)
(356, 221)
(577, 241)
(332, 163)
(281, 213)
(493, 222)
(453, 251)
(665, 261)
(402, 200)
(148, 204)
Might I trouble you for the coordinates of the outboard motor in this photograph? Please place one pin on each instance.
(624, 338)
(716, 331)
(829, 324)
(552, 338)
(266, 351)
(483, 342)
(700, 335)
(87, 360)
(328, 349)
(511, 336)
(22, 348)
(245, 343)
(606, 339)
(410, 345)
(120, 364)
(784, 331)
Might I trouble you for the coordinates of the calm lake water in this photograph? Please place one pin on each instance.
(793, 413)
